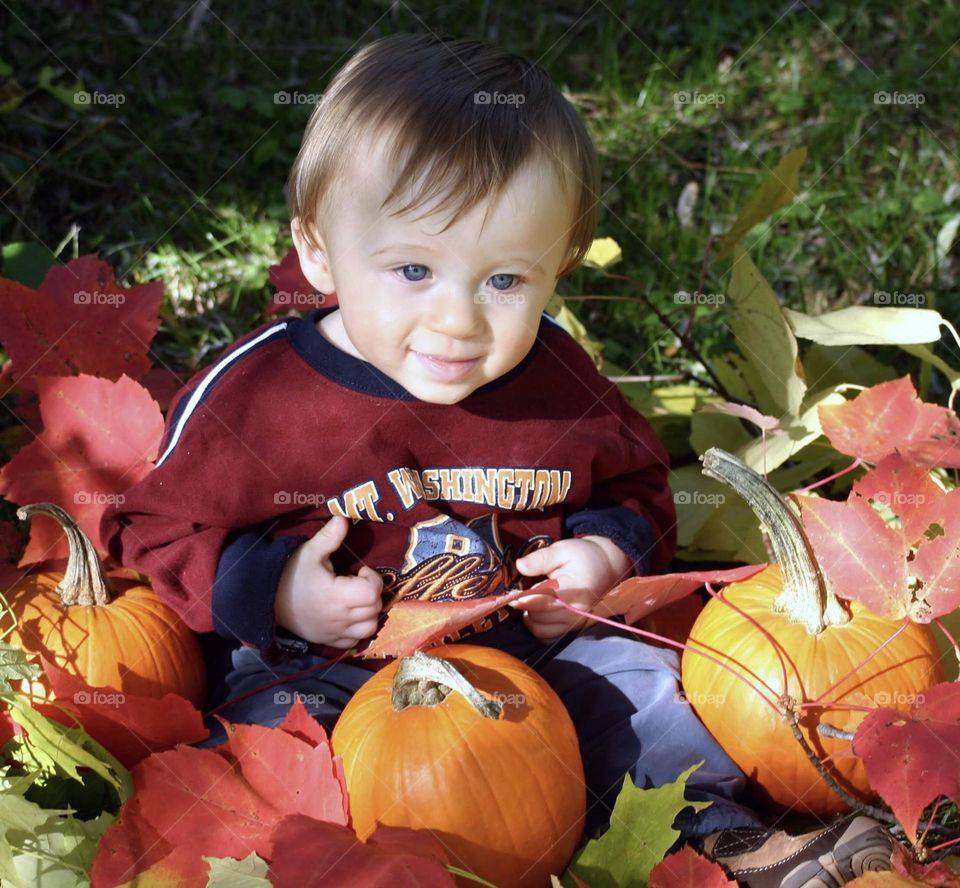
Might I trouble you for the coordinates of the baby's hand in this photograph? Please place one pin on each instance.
(320, 606)
(584, 568)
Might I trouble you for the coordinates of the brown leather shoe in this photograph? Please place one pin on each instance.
(826, 858)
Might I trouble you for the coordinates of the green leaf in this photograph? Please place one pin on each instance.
(26, 262)
(763, 334)
(640, 834)
(777, 190)
(17, 813)
(14, 667)
(66, 95)
(11, 95)
(225, 872)
(60, 853)
(868, 325)
(717, 430)
(926, 354)
(927, 201)
(793, 434)
(828, 366)
(55, 748)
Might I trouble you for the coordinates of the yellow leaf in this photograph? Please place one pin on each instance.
(603, 251)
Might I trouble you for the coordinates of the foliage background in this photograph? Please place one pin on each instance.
(183, 181)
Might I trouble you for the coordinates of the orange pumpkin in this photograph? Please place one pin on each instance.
(131, 642)
(496, 775)
(821, 642)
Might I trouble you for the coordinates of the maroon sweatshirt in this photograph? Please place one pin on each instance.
(285, 430)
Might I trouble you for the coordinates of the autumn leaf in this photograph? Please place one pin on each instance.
(641, 832)
(891, 417)
(913, 757)
(416, 625)
(310, 853)
(687, 869)
(893, 545)
(130, 726)
(293, 291)
(79, 321)
(936, 873)
(99, 437)
(861, 557)
(224, 801)
(636, 597)
(11, 546)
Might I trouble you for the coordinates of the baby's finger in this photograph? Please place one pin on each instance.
(535, 603)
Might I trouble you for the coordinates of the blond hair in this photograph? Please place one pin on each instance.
(428, 95)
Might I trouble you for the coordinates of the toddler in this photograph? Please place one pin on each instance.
(436, 435)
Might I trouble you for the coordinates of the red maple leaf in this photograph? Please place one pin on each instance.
(293, 291)
(79, 320)
(11, 546)
(98, 438)
(936, 873)
(913, 758)
(222, 802)
(637, 597)
(130, 726)
(890, 417)
(416, 625)
(687, 869)
(312, 854)
(907, 567)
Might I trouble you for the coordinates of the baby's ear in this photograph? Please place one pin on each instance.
(314, 261)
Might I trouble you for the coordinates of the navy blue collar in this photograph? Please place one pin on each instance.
(362, 376)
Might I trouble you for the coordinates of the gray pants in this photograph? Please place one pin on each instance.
(622, 695)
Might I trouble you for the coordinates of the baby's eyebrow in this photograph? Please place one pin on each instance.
(389, 248)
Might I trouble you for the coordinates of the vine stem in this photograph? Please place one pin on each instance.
(854, 465)
(756, 625)
(953, 641)
(856, 804)
(863, 663)
(677, 644)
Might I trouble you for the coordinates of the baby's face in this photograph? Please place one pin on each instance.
(440, 313)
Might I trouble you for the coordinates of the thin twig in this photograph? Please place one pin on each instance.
(869, 810)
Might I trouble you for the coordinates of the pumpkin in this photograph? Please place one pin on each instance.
(495, 774)
(785, 619)
(117, 634)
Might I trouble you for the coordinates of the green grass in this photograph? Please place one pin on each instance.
(183, 182)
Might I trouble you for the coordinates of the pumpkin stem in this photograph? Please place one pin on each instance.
(83, 581)
(422, 680)
(805, 597)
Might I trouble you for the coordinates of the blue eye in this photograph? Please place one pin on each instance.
(497, 279)
(416, 277)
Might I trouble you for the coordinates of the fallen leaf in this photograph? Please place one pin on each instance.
(687, 869)
(99, 437)
(128, 725)
(891, 417)
(310, 853)
(292, 290)
(79, 321)
(912, 756)
(636, 597)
